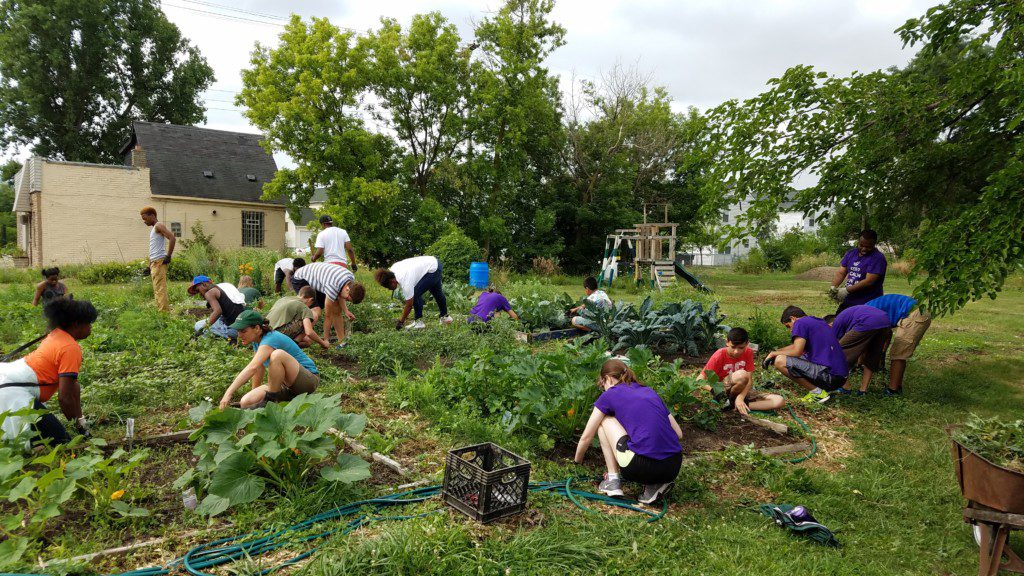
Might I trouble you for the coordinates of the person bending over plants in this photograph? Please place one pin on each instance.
(598, 297)
(415, 276)
(639, 437)
(52, 367)
(863, 332)
(909, 323)
(293, 317)
(814, 359)
(225, 303)
(50, 288)
(734, 366)
(288, 370)
(253, 297)
(490, 303)
(335, 287)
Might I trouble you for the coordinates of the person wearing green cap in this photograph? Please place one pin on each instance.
(288, 370)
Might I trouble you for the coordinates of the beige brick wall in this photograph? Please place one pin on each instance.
(90, 214)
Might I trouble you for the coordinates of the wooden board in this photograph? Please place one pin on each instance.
(550, 335)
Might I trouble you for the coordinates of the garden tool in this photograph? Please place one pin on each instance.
(798, 519)
(14, 353)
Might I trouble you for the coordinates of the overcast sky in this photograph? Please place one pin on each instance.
(702, 51)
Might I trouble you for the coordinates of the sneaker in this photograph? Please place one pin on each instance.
(611, 487)
(843, 391)
(859, 392)
(891, 392)
(447, 320)
(652, 492)
(417, 325)
(811, 397)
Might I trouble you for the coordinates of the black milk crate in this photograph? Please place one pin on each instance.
(485, 481)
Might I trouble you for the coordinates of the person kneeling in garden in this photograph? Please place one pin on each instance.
(293, 317)
(490, 303)
(598, 297)
(52, 367)
(225, 303)
(415, 276)
(863, 332)
(289, 371)
(814, 360)
(734, 366)
(639, 437)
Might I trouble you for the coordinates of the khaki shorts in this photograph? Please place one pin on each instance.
(908, 334)
(305, 383)
(753, 395)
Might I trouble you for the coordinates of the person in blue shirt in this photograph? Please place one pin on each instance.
(909, 323)
(288, 370)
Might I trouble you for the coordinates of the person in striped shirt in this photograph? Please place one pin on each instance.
(336, 286)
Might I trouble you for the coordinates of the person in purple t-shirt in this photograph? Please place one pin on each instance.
(490, 303)
(814, 360)
(639, 437)
(863, 332)
(861, 273)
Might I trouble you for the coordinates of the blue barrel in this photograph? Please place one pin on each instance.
(479, 275)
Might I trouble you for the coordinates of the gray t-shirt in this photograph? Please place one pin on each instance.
(287, 310)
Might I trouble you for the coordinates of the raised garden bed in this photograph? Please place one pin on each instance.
(529, 338)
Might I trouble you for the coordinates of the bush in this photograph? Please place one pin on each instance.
(766, 331)
(752, 263)
(806, 262)
(455, 250)
(111, 272)
(775, 255)
(546, 266)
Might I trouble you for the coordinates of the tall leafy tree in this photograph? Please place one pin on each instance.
(74, 75)
(935, 147)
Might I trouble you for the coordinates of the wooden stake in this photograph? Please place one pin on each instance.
(786, 449)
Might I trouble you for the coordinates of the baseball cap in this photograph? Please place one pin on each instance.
(246, 319)
(326, 219)
(196, 282)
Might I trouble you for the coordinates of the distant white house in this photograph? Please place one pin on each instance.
(787, 219)
(296, 236)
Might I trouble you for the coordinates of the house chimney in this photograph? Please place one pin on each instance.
(138, 157)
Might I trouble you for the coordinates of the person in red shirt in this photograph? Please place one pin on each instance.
(734, 366)
(52, 367)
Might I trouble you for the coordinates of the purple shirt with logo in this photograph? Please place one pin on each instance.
(860, 318)
(822, 346)
(488, 304)
(857, 268)
(644, 416)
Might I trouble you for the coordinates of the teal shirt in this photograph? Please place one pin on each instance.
(279, 341)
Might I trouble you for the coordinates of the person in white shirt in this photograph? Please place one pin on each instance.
(333, 244)
(415, 276)
(594, 295)
(283, 270)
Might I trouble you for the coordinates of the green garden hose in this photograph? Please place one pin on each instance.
(806, 429)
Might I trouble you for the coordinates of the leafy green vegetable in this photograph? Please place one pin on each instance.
(684, 327)
(540, 314)
(998, 441)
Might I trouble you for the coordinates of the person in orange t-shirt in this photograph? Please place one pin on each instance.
(52, 367)
(734, 366)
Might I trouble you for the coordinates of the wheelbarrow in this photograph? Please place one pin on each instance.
(995, 507)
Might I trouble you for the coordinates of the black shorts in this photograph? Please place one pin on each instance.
(278, 277)
(818, 375)
(319, 300)
(647, 470)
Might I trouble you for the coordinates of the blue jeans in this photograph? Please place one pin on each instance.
(219, 328)
(430, 282)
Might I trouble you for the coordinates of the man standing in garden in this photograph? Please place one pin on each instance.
(861, 273)
(910, 323)
(333, 244)
(161, 246)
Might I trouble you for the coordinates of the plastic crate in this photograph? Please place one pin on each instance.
(485, 481)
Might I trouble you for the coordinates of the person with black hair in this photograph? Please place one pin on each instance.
(861, 273)
(814, 359)
(415, 276)
(52, 367)
(50, 288)
(593, 294)
(289, 371)
(283, 270)
(734, 366)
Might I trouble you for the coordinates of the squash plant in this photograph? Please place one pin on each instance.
(243, 452)
(542, 314)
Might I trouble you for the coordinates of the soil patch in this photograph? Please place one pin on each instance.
(822, 273)
(197, 312)
(688, 360)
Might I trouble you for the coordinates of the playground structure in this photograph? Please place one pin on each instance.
(649, 249)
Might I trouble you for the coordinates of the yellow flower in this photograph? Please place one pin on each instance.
(117, 495)
(571, 412)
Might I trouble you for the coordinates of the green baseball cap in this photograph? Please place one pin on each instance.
(246, 319)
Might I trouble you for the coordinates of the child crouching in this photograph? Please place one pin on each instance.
(639, 437)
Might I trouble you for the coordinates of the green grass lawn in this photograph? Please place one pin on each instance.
(883, 479)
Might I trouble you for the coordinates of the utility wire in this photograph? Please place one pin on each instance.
(240, 10)
(221, 16)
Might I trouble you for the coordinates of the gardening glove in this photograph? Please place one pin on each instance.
(399, 324)
(832, 291)
(841, 294)
(83, 427)
(355, 267)
(167, 259)
(145, 271)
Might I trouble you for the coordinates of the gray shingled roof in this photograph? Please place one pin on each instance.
(177, 156)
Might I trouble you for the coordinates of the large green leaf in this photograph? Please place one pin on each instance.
(351, 424)
(233, 479)
(197, 413)
(213, 505)
(271, 421)
(349, 469)
(11, 551)
(22, 489)
(223, 425)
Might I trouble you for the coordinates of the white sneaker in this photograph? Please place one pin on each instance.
(417, 325)
(447, 320)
